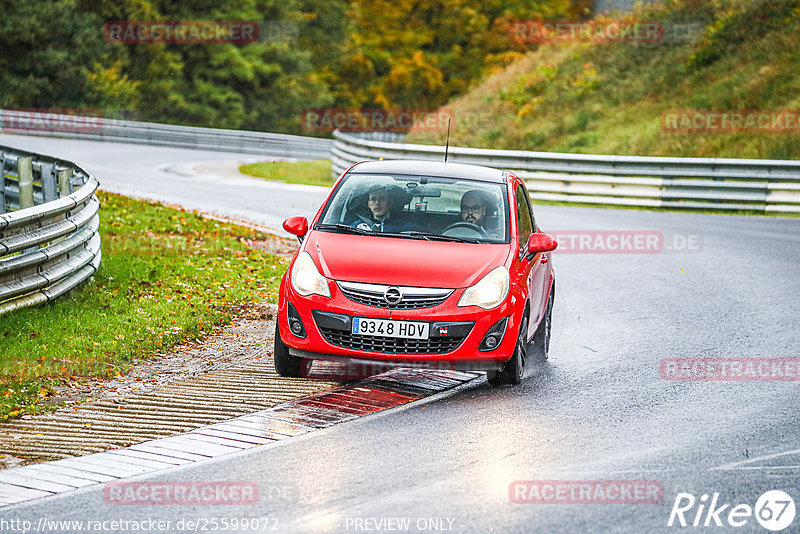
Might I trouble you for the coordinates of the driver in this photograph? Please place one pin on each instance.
(381, 206)
(473, 207)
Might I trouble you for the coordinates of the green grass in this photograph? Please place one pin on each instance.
(317, 172)
(166, 276)
(611, 98)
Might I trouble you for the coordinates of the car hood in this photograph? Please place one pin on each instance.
(402, 262)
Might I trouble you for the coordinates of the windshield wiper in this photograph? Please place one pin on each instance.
(343, 228)
(413, 234)
(409, 234)
(339, 227)
(426, 235)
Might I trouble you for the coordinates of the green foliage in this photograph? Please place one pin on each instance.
(421, 54)
(612, 98)
(739, 24)
(341, 53)
(55, 56)
(167, 275)
(48, 49)
(526, 91)
(259, 85)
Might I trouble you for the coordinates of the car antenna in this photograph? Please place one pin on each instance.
(447, 145)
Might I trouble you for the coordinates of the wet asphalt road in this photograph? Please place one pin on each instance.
(597, 410)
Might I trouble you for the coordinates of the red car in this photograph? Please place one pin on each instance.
(423, 264)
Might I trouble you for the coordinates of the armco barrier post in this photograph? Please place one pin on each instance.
(64, 182)
(49, 181)
(25, 172)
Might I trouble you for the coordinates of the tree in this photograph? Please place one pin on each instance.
(421, 54)
(53, 57)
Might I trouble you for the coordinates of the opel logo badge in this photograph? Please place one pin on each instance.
(392, 295)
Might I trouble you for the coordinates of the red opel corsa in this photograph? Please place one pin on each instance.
(428, 264)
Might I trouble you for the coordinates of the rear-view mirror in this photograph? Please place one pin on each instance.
(296, 225)
(541, 243)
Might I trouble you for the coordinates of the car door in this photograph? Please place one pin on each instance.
(536, 267)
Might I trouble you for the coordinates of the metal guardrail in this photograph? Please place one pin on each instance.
(149, 133)
(691, 183)
(49, 241)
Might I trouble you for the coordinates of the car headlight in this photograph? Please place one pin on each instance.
(489, 292)
(306, 279)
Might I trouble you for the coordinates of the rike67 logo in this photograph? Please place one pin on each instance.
(774, 510)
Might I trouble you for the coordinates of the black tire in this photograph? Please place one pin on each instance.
(286, 365)
(514, 369)
(541, 339)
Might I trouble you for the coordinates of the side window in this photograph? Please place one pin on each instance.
(524, 219)
(533, 215)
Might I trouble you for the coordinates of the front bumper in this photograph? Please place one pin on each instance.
(455, 333)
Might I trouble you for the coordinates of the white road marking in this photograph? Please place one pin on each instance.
(734, 465)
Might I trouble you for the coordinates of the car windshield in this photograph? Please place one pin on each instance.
(421, 207)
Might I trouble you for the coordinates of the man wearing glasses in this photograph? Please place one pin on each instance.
(479, 208)
(473, 207)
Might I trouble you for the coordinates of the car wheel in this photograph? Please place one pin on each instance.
(285, 364)
(541, 339)
(512, 372)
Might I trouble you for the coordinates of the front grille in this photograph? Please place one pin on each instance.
(405, 304)
(390, 345)
(413, 298)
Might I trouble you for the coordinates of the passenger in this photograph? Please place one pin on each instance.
(382, 218)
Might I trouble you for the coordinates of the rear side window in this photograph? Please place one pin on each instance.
(524, 217)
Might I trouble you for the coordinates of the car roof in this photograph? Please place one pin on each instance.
(431, 168)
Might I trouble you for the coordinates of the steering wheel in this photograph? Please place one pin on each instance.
(465, 226)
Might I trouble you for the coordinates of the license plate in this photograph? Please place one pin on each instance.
(388, 328)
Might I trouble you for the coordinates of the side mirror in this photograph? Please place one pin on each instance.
(540, 243)
(296, 225)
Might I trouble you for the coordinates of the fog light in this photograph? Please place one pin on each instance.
(493, 337)
(295, 324)
(491, 341)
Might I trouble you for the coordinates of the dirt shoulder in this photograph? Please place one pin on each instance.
(224, 375)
